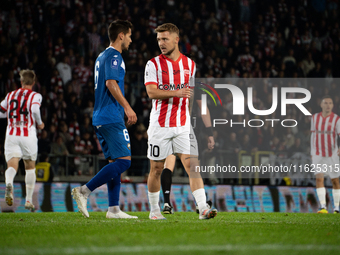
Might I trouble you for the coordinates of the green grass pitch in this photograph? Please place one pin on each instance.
(181, 233)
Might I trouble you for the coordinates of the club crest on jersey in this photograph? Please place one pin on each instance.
(114, 63)
(186, 72)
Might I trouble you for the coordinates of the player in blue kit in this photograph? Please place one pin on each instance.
(108, 121)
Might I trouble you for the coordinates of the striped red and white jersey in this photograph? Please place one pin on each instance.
(324, 134)
(170, 75)
(20, 118)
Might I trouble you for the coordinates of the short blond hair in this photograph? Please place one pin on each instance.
(27, 77)
(171, 28)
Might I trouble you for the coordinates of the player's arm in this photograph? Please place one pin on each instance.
(312, 136)
(35, 108)
(150, 81)
(192, 86)
(2, 113)
(337, 130)
(207, 123)
(155, 93)
(113, 87)
(3, 108)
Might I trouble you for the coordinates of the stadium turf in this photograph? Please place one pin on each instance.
(181, 233)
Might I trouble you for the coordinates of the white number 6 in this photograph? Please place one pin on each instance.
(96, 75)
(126, 135)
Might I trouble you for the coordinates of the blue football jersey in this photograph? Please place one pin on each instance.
(109, 66)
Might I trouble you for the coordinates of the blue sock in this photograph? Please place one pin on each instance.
(108, 173)
(113, 188)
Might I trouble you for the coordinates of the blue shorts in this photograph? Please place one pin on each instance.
(114, 140)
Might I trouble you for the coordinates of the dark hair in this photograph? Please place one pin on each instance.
(326, 96)
(118, 26)
(44, 157)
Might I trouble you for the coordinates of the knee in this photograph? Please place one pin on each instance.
(124, 164)
(156, 171)
(320, 180)
(335, 182)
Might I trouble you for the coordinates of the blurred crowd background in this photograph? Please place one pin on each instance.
(61, 39)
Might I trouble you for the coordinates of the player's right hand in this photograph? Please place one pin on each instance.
(41, 126)
(211, 143)
(131, 115)
(184, 92)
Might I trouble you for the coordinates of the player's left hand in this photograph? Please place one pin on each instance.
(339, 152)
(41, 126)
(211, 142)
(131, 115)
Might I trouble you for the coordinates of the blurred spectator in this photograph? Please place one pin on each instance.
(64, 69)
(64, 133)
(296, 147)
(44, 143)
(308, 64)
(59, 151)
(83, 74)
(246, 144)
(86, 126)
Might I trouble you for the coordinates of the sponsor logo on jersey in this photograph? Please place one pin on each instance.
(19, 124)
(172, 86)
(324, 132)
(176, 72)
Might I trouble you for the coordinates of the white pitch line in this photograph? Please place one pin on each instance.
(173, 249)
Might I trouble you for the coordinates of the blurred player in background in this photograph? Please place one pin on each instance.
(325, 128)
(108, 121)
(166, 177)
(168, 78)
(23, 116)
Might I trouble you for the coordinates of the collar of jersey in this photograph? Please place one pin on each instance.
(25, 89)
(179, 58)
(112, 48)
(326, 116)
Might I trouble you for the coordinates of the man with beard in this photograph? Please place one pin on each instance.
(169, 80)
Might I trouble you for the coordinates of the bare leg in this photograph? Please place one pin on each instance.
(321, 191)
(336, 194)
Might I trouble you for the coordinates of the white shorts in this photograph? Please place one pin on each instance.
(329, 166)
(164, 141)
(21, 147)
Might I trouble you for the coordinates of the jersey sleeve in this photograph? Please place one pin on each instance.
(192, 77)
(312, 136)
(112, 65)
(4, 105)
(150, 74)
(337, 126)
(37, 99)
(312, 128)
